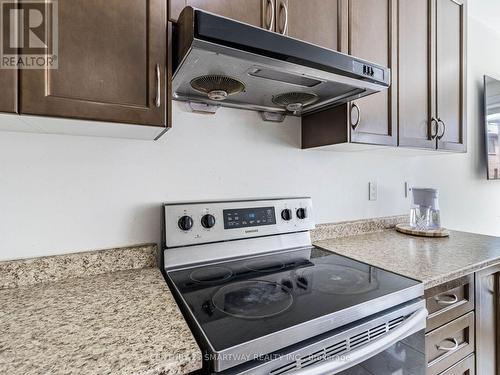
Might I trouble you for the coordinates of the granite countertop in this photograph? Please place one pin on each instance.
(118, 322)
(431, 260)
(111, 312)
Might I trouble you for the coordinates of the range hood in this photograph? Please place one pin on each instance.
(221, 62)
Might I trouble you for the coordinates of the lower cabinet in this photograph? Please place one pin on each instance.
(464, 367)
(449, 301)
(449, 344)
(450, 334)
(463, 326)
(487, 322)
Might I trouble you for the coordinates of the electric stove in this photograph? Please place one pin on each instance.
(259, 297)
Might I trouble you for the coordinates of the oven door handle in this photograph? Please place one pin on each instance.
(413, 324)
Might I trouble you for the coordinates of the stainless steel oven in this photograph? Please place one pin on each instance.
(260, 299)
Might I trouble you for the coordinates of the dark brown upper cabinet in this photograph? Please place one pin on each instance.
(432, 74)
(372, 36)
(314, 21)
(366, 29)
(112, 65)
(451, 81)
(424, 44)
(416, 98)
(8, 96)
(260, 13)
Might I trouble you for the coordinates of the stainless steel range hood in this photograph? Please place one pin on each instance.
(222, 62)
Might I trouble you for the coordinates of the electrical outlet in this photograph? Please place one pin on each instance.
(372, 191)
(407, 189)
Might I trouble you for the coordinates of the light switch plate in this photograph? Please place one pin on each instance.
(372, 191)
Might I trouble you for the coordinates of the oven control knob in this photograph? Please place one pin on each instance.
(301, 213)
(208, 221)
(185, 223)
(286, 214)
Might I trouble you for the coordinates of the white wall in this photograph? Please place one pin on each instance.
(62, 194)
(487, 12)
(468, 201)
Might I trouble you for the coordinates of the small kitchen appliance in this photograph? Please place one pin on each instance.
(260, 299)
(424, 210)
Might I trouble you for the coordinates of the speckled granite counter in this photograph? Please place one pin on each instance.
(111, 312)
(122, 322)
(431, 260)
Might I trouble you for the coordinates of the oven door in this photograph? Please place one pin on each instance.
(406, 357)
(400, 352)
(390, 343)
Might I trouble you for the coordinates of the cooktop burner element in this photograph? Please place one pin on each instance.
(341, 280)
(265, 266)
(253, 299)
(208, 275)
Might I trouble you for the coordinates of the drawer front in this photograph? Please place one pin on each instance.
(449, 301)
(449, 344)
(464, 367)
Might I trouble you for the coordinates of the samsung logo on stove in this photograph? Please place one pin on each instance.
(252, 231)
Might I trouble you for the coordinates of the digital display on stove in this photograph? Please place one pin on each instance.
(248, 217)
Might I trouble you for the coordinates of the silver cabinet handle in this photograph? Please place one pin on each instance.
(444, 128)
(354, 125)
(269, 5)
(283, 8)
(451, 299)
(435, 122)
(449, 348)
(158, 85)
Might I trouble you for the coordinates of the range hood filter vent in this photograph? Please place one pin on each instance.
(295, 101)
(217, 87)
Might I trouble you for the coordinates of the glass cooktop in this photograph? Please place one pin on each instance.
(239, 301)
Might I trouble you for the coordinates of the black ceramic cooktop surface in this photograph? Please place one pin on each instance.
(238, 301)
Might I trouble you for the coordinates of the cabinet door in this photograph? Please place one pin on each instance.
(449, 301)
(451, 83)
(8, 96)
(466, 366)
(487, 320)
(8, 80)
(449, 344)
(112, 64)
(254, 12)
(175, 8)
(372, 36)
(416, 99)
(314, 21)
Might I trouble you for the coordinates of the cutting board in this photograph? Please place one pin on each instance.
(406, 229)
